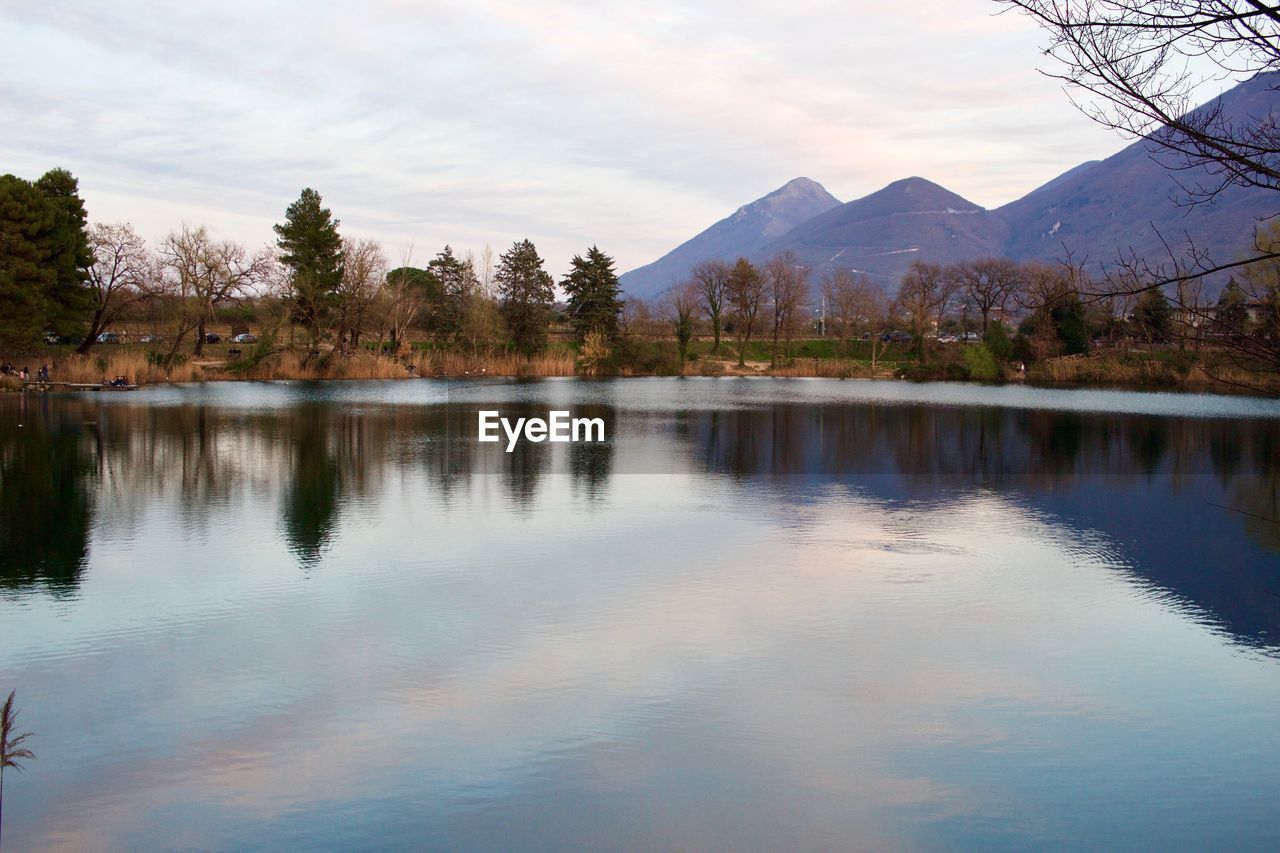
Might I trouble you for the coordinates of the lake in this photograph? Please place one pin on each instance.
(765, 614)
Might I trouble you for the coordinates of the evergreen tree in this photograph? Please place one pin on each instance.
(1068, 319)
(1232, 311)
(25, 274)
(594, 295)
(312, 249)
(527, 293)
(1154, 316)
(997, 341)
(456, 279)
(70, 299)
(44, 259)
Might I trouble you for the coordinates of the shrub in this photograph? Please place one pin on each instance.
(997, 342)
(980, 363)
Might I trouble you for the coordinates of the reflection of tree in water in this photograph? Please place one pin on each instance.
(524, 466)
(591, 463)
(1150, 483)
(1058, 438)
(1148, 441)
(1256, 494)
(46, 477)
(310, 501)
(313, 458)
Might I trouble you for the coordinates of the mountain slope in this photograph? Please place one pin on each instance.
(742, 233)
(1133, 201)
(1097, 211)
(881, 234)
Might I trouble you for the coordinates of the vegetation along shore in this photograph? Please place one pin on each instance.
(95, 302)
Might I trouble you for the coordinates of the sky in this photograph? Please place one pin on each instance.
(629, 126)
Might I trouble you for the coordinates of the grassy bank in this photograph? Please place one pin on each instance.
(648, 357)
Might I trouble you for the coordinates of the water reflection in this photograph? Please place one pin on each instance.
(47, 475)
(741, 622)
(317, 456)
(310, 503)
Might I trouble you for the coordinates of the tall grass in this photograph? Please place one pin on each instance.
(366, 365)
(501, 364)
(1141, 369)
(1106, 369)
(133, 365)
(835, 368)
(292, 364)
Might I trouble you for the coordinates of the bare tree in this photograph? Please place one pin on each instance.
(122, 274)
(786, 283)
(681, 305)
(744, 294)
(1139, 65)
(203, 273)
(858, 305)
(364, 267)
(712, 279)
(987, 284)
(925, 287)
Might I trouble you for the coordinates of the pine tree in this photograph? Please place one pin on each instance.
(25, 274)
(1232, 311)
(44, 259)
(312, 250)
(594, 295)
(1154, 316)
(457, 280)
(1068, 319)
(527, 293)
(70, 299)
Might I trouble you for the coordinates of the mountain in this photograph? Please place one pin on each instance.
(884, 232)
(743, 233)
(1096, 211)
(1132, 200)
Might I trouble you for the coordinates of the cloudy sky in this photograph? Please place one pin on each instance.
(485, 121)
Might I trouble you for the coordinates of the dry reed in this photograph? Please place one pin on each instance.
(92, 368)
(502, 364)
(835, 368)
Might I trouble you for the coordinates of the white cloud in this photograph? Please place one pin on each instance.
(631, 126)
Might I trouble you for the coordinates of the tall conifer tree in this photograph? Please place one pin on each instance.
(527, 293)
(312, 249)
(594, 295)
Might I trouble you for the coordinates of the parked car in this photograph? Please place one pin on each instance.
(971, 337)
(51, 338)
(110, 338)
(244, 338)
(151, 339)
(213, 338)
(895, 337)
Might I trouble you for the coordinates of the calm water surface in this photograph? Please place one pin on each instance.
(765, 615)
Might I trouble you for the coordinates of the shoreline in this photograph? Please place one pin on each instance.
(1190, 388)
(1131, 370)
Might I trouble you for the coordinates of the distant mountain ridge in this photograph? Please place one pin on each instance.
(742, 233)
(1096, 211)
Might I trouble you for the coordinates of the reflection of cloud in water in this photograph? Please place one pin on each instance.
(576, 686)
(776, 626)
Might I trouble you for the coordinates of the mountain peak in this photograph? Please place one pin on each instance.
(921, 194)
(801, 185)
(796, 197)
(742, 233)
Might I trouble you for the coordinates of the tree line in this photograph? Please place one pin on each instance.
(64, 279)
(1021, 311)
